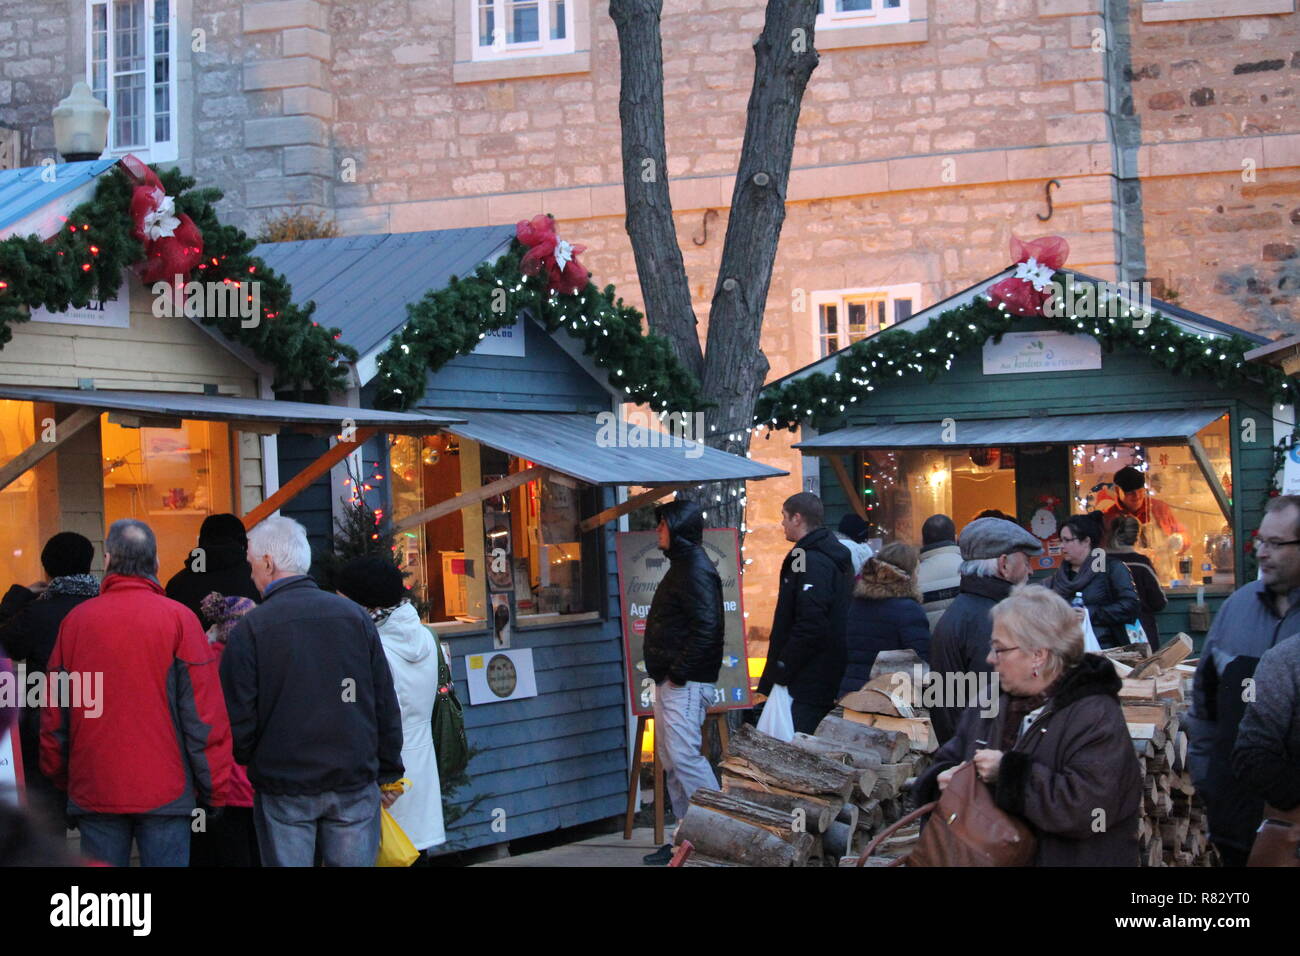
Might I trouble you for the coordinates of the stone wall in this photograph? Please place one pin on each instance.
(40, 48)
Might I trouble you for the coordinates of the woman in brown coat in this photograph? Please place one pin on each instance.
(1056, 752)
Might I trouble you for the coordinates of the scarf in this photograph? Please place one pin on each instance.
(1017, 709)
(81, 585)
(380, 614)
(1066, 582)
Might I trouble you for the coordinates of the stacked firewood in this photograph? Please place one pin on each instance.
(1155, 695)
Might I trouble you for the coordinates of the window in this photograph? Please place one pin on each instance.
(845, 317)
(514, 28)
(1155, 11)
(856, 13)
(131, 69)
(29, 505)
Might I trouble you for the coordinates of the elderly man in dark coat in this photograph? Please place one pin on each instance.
(995, 557)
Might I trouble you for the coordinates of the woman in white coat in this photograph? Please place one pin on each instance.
(412, 652)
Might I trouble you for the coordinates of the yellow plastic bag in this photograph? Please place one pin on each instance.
(395, 847)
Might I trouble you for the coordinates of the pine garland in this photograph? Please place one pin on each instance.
(895, 353)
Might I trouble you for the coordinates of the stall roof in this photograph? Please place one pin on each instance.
(362, 284)
(569, 444)
(231, 408)
(1051, 430)
(27, 190)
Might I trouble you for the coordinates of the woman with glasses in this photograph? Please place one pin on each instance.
(1106, 586)
(1056, 750)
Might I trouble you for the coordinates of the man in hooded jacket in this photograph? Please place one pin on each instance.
(683, 655)
(220, 564)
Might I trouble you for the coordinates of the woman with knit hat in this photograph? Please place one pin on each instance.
(412, 652)
(220, 564)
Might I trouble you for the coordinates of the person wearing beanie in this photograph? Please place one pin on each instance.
(1131, 498)
(412, 652)
(219, 563)
(852, 532)
(29, 625)
(1107, 586)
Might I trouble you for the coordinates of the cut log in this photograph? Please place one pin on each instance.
(920, 730)
(770, 761)
(699, 859)
(890, 745)
(855, 756)
(726, 838)
(1148, 712)
(818, 812)
(1165, 659)
(786, 826)
(1152, 732)
(838, 839)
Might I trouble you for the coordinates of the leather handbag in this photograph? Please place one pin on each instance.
(1277, 841)
(965, 828)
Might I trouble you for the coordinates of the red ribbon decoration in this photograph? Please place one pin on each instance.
(1018, 294)
(167, 256)
(539, 235)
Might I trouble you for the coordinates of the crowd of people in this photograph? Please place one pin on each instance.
(247, 716)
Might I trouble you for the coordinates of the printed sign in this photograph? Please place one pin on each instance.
(641, 566)
(1291, 471)
(1041, 352)
(506, 341)
(494, 676)
(113, 314)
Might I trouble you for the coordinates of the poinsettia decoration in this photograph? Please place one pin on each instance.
(1036, 262)
(550, 254)
(173, 245)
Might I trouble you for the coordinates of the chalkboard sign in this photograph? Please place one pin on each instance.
(641, 566)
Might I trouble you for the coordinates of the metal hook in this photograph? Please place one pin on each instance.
(707, 214)
(1048, 189)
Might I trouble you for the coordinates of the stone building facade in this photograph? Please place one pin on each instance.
(928, 136)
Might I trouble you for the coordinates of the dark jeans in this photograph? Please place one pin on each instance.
(342, 825)
(164, 839)
(230, 840)
(807, 716)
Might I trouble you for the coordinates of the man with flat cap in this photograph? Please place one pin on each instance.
(995, 558)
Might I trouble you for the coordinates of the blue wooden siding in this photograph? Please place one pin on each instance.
(1127, 381)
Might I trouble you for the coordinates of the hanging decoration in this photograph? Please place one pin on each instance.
(173, 245)
(549, 254)
(1037, 261)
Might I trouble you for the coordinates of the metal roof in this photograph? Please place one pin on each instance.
(234, 409)
(1045, 430)
(573, 444)
(23, 191)
(362, 284)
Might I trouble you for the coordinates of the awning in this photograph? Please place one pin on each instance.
(1045, 430)
(573, 445)
(264, 414)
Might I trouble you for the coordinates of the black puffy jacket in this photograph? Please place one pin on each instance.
(807, 653)
(1109, 596)
(683, 632)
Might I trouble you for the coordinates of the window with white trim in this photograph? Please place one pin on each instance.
(514, 28)
(131, 69)
(846, 316)
(859, 13)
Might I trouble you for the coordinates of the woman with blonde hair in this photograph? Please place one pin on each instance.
(1056, 751)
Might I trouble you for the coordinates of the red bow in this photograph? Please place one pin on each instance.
(549, 252)
(173, 245)
(1026, 291)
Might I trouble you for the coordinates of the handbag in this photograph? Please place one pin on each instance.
(965, 828)
(449, 741)
(1277, 841)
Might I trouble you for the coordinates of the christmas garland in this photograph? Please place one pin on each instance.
(453, 320)
(822, 398)
(85, 262)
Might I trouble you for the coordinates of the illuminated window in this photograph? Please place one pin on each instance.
(850, 315)
(29, 505)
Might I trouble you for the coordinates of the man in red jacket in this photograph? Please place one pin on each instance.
(138, 736)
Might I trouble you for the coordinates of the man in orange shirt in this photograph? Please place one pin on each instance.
(1132, 499)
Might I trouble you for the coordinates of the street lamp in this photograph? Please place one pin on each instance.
(80, 125)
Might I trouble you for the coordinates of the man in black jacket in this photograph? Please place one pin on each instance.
(807, 652)
(683, 654)
(220, 564)
(313, 713)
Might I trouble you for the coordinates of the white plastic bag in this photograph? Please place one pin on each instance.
(777, 720)
(1090, 644)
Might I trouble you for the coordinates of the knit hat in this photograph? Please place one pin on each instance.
(853, 527)
(224, 613)
(222, 529)
(372, 582)
(67, 553)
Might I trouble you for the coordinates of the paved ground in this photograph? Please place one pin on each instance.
(607, 850)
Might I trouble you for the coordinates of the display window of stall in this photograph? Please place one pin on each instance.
(521, 548)
(169, 478)
(29, 505)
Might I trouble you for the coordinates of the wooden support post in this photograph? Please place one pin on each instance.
(634, 781)
(1207, 469)
(299, 483)
(636, 501)
(500, 486)
(854, 496)
(63, 430)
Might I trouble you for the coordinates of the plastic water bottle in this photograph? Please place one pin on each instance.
(1078, 599)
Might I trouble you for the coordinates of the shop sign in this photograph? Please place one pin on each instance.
(504, 341)
(1041, 352)
(113, 314)
(500, 675)
(1291, 471)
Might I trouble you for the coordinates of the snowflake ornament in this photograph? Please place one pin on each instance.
(1034, 272)
(563, 253)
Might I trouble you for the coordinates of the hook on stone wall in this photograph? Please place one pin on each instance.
(1047, 188)
(705, 226)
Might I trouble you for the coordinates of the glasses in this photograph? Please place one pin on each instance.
(1265, 544)
(1065, 540)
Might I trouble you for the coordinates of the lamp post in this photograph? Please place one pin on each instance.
(80, 125)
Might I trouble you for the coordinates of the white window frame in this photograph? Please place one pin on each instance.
(833, 19)
(841, 298)
(1158, 11)
(543, 46)
(153, 151)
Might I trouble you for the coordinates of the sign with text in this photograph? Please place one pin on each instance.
(641, 566)
(494, 676)
(505, 341)
(1041, 352)
(113, 314)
